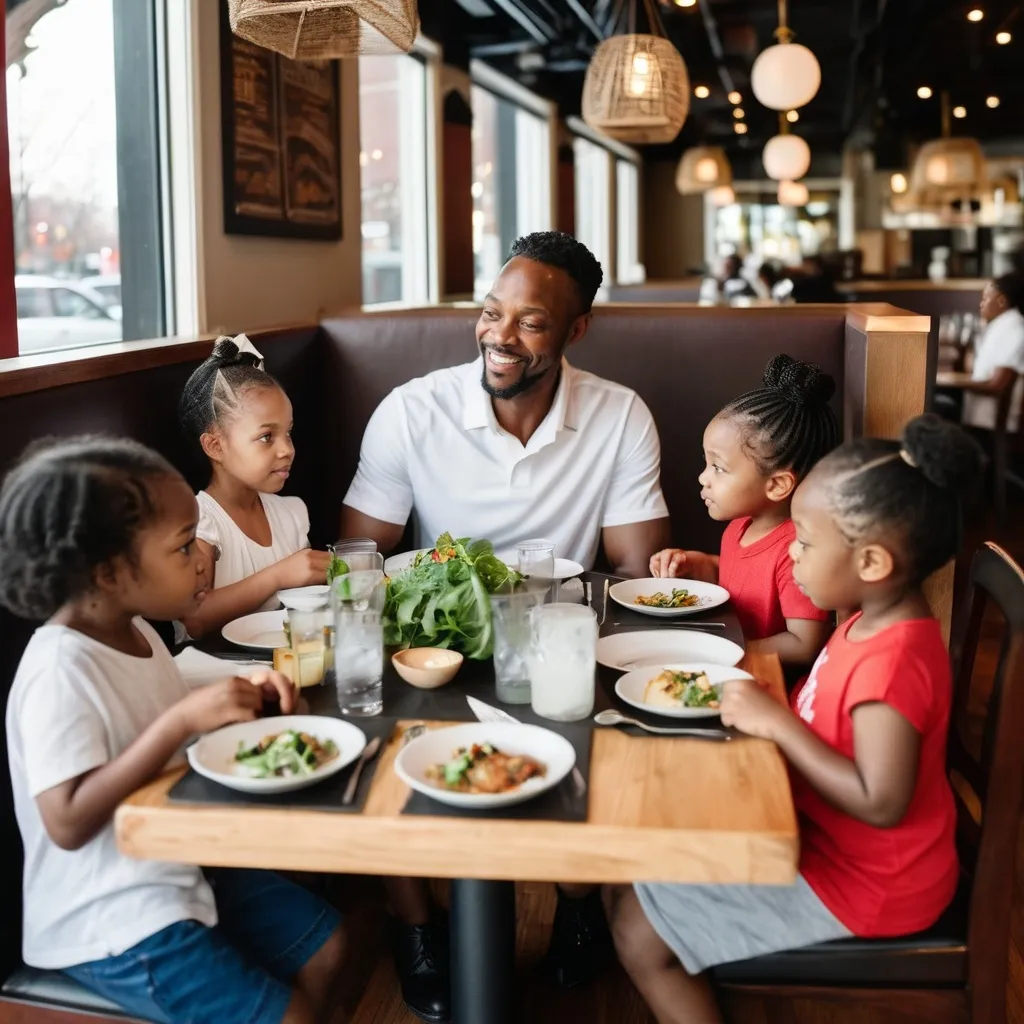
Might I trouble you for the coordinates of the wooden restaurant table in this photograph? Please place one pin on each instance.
(660, 809)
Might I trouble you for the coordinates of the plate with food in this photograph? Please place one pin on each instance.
(678, 691)
(668, 598)
(262, 630)
(485, 764)
(277, 755)
(645, 648)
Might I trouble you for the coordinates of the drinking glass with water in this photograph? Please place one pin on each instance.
(510, 615)
(358, 653)
(563, 661)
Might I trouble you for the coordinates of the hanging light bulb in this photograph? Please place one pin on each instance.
(640, 74)
(723, 195)
(793, 193)
(898, 183)
(787, 75)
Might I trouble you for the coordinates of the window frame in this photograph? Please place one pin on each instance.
(616, 151)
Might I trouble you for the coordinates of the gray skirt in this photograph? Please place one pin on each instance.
(705, 925)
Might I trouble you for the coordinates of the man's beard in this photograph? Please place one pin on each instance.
(520, 387)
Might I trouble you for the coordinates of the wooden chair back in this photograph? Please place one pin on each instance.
(988, 768)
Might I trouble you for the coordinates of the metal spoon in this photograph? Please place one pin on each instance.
(613, 717)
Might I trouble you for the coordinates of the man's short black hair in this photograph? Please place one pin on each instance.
(557, 249)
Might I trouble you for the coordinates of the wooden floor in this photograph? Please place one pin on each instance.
(371, 993)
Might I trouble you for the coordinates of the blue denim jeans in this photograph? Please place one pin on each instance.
(239, 972)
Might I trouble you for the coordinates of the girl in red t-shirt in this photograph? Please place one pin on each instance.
(865, 737)
(757, 449)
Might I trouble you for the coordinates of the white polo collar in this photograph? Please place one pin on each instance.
(478, 410)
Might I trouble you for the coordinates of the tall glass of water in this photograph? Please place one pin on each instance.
(510, 615)
(358, 651)
(536, 559)
(563, 661)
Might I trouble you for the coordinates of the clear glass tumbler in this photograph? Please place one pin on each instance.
(358, 660)
(563, 661)
(536, 559)
(510, 615)
(308, 646)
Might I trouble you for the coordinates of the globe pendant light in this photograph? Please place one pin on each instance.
(722, 196)
(702, 169)
(326, 29)
(787, 75)
(786, 156)
(636, 88)
(793, 193)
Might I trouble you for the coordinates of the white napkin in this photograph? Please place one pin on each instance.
(200, 669)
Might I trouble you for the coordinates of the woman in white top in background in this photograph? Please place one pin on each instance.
(255, 540)
(998, 358)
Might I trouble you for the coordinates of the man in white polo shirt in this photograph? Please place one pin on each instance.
(519, 444)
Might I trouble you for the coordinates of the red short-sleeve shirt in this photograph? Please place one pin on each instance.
(760, 581)
(881, 881)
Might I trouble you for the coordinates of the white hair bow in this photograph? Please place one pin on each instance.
(245, 345)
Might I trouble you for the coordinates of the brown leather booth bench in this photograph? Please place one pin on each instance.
(686, 362)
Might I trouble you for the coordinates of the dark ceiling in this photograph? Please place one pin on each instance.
(874, 54)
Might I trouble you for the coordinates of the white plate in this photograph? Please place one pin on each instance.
(565, 568)
(305, 599)
(262, 630)
(396, 563)
(438, 745)
(631, 686)
(711, 596)
(213, 755)
(649, 647)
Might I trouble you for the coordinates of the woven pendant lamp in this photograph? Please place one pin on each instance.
(701, 169)
(326, 29)
(948, 170)
(636, 88)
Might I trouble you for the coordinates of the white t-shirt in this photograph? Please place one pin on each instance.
(74, 706)
(239, 556)
(1001, 345)
(434, 445)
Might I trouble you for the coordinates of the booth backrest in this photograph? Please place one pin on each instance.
(684, 362)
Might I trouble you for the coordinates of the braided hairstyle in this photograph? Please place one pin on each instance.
(916, 487)
(787, 423)
(68, 507)
(217, 386)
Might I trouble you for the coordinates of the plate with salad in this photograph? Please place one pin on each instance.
(277, 755)
(442, 598)
(678, 691)
(485, 764)
(668, 598)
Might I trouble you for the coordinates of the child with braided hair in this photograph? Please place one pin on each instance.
(757, 449)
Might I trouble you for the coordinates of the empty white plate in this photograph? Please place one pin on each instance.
(710, 595)
(438, 746)
(262, 630)
(213, 755)
(641, 648)
(631, 686)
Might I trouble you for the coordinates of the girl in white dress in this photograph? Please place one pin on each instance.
(255, 540)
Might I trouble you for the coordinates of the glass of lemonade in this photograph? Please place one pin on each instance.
(562, 661)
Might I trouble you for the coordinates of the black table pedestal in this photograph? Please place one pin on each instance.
(483, 945)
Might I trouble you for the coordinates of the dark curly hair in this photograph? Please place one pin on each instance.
(69, 506)
(916, 486)
(216, 387)
(787, 423)
(1011, 287)
(557, 249)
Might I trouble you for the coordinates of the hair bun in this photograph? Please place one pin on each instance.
(944, 453)
(801, 383)
(227, 353)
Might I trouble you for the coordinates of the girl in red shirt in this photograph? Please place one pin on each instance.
(865, 737)
(757, 449)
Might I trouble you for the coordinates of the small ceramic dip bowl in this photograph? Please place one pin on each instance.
(427, 667)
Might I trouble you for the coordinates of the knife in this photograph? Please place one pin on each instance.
(368, 754)
(487, 713)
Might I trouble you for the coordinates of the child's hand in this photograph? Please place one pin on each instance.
(276, 687)
(747, 706)
(305, 568)
(210, 707)
(674, 563)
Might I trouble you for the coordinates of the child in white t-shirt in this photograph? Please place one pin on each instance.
(255, 540)
(97, 535)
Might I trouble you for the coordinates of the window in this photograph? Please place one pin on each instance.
(512, 193)
(395, 160)
(629, 269)
(83, 120)
(593, 201)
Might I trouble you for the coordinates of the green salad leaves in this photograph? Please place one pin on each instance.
(443, 598)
